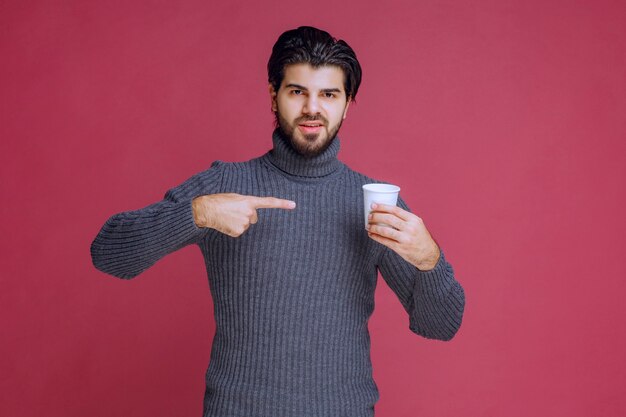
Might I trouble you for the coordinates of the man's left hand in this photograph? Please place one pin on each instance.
(407, 236)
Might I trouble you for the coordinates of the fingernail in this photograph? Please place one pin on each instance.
(374, 205)
(369, 216)
(292, 204)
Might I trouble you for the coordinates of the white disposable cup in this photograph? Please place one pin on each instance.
(379, 193)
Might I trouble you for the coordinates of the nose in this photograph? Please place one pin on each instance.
(311, 106)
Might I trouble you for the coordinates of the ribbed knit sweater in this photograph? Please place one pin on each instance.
(293, 295)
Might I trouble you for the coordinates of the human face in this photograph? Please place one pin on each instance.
(310, 106)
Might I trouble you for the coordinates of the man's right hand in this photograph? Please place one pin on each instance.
(232, 214)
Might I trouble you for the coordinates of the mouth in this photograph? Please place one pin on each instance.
(310, 127)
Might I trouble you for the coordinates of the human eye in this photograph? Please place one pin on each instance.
(296, 92)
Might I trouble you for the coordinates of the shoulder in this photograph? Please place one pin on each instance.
(362, 178)
(210, 180)
(207, 181)
(236, 169)
(222, 168)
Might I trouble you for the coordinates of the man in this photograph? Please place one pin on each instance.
(291, 268)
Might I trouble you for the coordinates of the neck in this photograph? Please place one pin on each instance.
(285, 158)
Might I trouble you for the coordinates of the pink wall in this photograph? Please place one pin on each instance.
(502, 120)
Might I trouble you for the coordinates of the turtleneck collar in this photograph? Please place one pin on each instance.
(285, 158)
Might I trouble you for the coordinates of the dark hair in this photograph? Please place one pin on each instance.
(317, 48)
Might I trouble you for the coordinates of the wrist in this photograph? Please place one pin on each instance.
(430, 262)
(200, 212)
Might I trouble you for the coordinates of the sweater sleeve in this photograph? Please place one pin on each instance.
(433, 299)
(130, 242)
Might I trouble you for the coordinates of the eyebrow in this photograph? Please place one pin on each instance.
(325, 90)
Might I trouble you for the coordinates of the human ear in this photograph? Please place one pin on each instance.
(273, 97)
(345, 111)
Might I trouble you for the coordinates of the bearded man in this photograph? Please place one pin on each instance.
(292, 270)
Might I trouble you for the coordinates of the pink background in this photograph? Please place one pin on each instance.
(502, 121)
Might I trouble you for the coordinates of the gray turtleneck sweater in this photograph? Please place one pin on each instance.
(294, 293)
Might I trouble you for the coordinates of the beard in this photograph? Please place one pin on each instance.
(312, 145)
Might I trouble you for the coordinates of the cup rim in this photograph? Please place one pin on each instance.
(381, 188)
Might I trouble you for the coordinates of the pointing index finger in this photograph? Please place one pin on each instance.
(272, 202)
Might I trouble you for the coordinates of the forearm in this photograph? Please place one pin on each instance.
(438, 302)
(131, 242)
(433, 299)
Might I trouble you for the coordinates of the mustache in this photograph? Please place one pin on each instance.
(312, 119)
